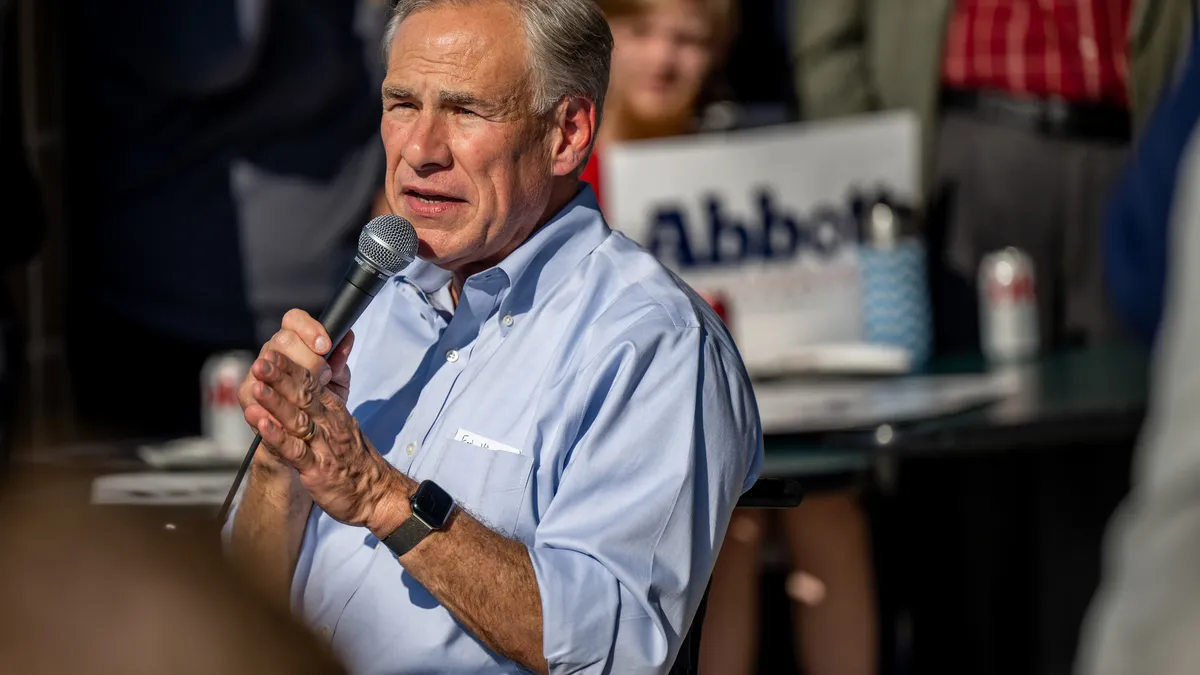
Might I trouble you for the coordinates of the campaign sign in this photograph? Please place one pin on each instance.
(769, 218)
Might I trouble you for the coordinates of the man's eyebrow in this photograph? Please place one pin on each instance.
(466, 100)
(459, 99)
(393, 92)
(462, 99)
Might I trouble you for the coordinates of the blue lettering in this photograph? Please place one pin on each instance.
(773, 223)
(669, 230)
(719, 231)
(776, 233)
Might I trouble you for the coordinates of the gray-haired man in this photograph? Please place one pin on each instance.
(547, 432)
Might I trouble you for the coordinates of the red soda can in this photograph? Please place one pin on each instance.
(221, 417)
(1008, 317)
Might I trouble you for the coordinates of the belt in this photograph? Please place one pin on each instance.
(1050, 117)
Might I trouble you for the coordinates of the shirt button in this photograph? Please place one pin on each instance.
(325, 633)
(452, 356)
(410, 449)
(507, 321)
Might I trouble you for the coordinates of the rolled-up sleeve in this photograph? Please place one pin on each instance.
(665, 439)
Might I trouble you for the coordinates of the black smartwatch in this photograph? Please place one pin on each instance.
(431, 510)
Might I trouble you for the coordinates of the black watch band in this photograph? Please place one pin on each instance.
(407, 536)
(432, 508)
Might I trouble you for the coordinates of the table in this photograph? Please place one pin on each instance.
(988, 523)
(1074, 398)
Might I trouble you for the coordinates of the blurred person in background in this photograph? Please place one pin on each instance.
(665, 60)
(1137, 224)
(666, 56)
(1145, 617)
(1026, 112)
(202, 134)
(95, 592)
(24, 220)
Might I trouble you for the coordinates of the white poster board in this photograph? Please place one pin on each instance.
(766, 217)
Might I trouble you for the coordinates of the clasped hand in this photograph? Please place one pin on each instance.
(293, 393)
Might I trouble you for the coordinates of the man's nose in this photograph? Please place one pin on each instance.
(426, 148)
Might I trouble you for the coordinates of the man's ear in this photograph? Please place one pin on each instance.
(574, 129)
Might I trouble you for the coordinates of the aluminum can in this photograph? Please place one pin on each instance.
(1008, 317)
(221, 417)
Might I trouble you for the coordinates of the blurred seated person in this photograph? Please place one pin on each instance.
(91, 592)
(1146, 613)
(665, 57)
(202, 133)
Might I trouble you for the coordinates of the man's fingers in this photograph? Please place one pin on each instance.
(288, 392)
(340, 385)
(301, 339)
(296, 421)
(295, 381)
(309, 329)
(246, 390)
(292, 345)
(342, 352)
(339, 382)
(255, 414)
(283, 445)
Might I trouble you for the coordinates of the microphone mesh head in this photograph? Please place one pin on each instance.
(389, 243)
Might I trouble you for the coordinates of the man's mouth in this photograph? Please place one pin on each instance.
(431, 197)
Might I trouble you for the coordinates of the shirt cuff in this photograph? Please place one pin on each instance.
(580, 604)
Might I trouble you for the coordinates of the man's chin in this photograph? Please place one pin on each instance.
(444, 255)
(424, 252)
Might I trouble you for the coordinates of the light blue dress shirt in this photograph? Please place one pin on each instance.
(620, 428)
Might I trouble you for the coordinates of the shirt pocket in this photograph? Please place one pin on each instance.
(490, 484)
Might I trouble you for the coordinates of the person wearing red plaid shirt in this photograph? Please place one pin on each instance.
(1027, 109)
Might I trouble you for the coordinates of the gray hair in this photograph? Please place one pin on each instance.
(570, 46)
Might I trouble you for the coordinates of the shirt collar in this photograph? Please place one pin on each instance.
(554, 251)
(545, 259)
(425, 275)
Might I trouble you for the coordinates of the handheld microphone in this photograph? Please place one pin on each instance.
(386, 246)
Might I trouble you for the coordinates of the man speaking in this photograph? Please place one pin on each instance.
(546, 432)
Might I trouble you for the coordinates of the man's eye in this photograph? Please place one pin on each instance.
(464, 111)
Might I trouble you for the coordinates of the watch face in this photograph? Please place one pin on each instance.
(432, 504)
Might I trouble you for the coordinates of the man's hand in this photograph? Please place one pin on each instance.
(303, 340)
(286, 398)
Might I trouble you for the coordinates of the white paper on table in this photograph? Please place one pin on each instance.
(195, 452)
(847, 358)
(800, 406)
(163, 489)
